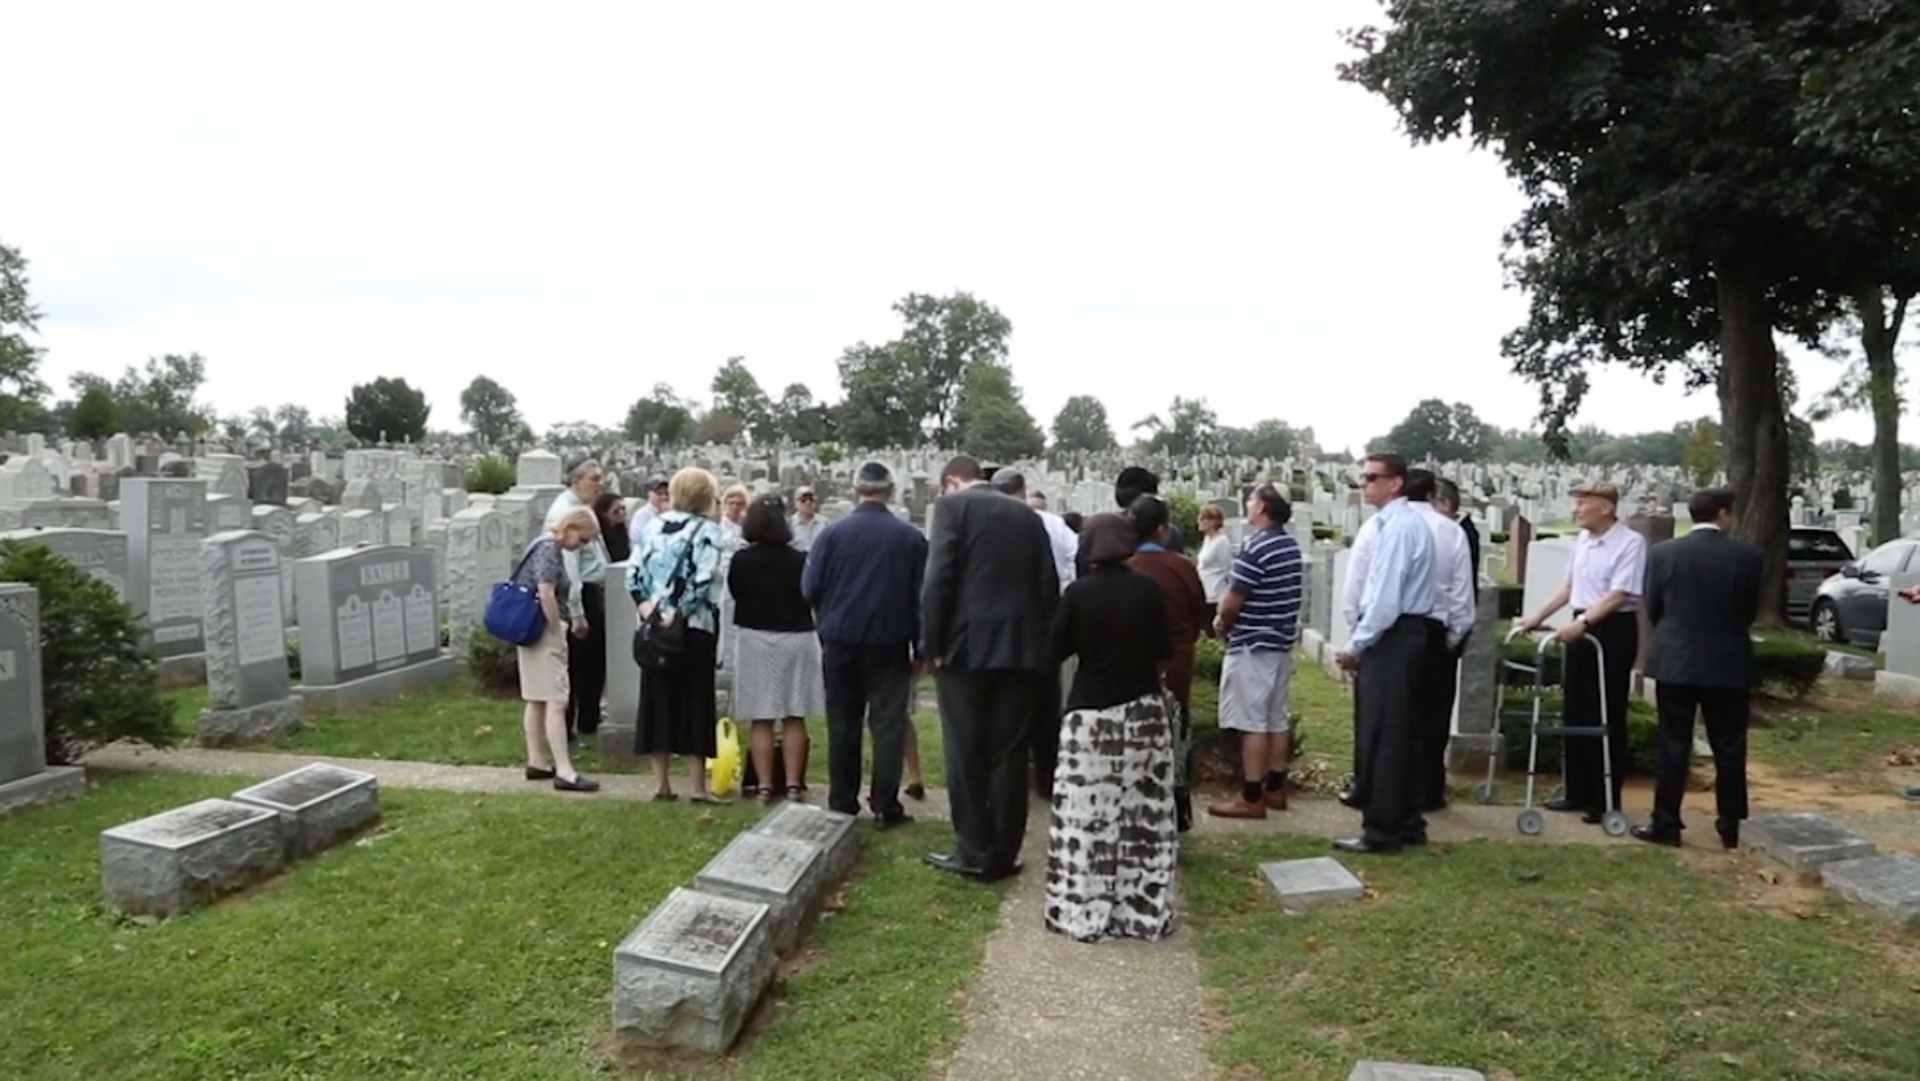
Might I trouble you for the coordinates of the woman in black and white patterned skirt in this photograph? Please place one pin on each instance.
(776, 675)
(1112, 844)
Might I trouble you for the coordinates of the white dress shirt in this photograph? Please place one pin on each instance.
(1065, 543)
(1359, 559)
(645, 518)
(804, 531)
(1216, 565)
(1399, 578)
(1616, 559)
(1452, 575)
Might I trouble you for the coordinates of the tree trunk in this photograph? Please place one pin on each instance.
(1757, 433)
(1880, 336)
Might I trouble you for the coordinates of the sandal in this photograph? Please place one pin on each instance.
(708, 797)
(796, 793)
(764, 794)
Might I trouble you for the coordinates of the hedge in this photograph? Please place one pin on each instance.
(1782, 664)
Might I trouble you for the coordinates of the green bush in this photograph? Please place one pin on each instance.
(1497, 538)
(99, 682)
(1323, 532)
(1512, 601)
(490, 474)
(293, 655)
(1297, 493)
(1185, 512)
(495, 665)
(1643, 734)
(1788, 665)
(1208, 655)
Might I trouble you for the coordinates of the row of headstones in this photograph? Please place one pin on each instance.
(1816, 849)
(179, 860)
(688, 976)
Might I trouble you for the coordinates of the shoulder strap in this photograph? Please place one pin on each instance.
(528, 554)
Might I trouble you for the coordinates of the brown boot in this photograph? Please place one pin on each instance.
(1237, 808)
(1276, 799)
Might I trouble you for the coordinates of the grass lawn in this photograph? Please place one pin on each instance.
(455, 724)
(469, 937)
(1544, 964)
(1840, 730)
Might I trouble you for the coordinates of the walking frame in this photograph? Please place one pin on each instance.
(1531, 822)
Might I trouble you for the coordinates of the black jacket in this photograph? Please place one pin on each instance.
(1473, 553)
(1703, 594)
(991, 587)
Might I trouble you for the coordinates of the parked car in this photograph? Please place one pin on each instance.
(1852, 605)
(1813, 556)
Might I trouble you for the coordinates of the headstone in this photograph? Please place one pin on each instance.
(25, 478)
(60, 514)
(1804, 841)
(230, 512)
(537, 467)
(1547, 563)
(1519, 544)
(1900, 680)
(363, 495)
(615, 738)
(1320, 596)
(690, 974)
(181, 859)
(1302, 884)
(1337, 626)
(363, 527)
(1473, 706)
(25, 777)
(369, 626)
(120, 451)
(480, 554)
(1402, 1071)
(267, 483)
(249, 694)
(102, 553)
(318, 805)
(165, 520)
(1890, 885)
(278, 523)
(829, 831)
(225, 474)
(783, 874)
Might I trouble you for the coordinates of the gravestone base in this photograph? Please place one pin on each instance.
(1804, 842)
(1312, 645)
(184, 858)
(319, 805)
(1894, 687)
(1301, 884)
(690, 974)
(1890, 885)
(260, 723)
(369, 691)
(615, 743)
(51, 785)
(1404, 1071)
(187, 670)
(1467, 751)
(1850, 666)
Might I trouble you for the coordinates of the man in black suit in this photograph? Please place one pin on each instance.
(991, 589)
(1703, 593)
(1446, 500)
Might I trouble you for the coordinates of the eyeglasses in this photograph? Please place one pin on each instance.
(806, 499)
(1369, 478)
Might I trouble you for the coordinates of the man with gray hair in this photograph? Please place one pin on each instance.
(863, 579)
(587, 598)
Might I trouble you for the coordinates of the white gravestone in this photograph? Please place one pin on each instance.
(182, 859)
(102, 553)
(165, 520)
(479, 555)
(25, 777)
(1547, 563)
(319, 805)
(249, 694)
(690, 974)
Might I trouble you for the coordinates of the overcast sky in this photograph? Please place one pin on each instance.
(583, 200)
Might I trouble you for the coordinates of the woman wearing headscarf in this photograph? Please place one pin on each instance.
(1112, 842)
(677, 572)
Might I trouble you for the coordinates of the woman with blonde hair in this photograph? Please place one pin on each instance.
(544, 684)
(676, 573)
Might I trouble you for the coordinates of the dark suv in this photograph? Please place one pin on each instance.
(1852, 605)
(1813, 556)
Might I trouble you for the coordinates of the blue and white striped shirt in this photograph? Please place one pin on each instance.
(1267, 576)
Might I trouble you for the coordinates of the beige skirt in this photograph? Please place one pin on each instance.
(543, 666)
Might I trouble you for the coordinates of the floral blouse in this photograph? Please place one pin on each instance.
(660, 556)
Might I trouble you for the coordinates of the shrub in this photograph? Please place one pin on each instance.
(1791, 666)
(99, 682)
(1323, 532)
(1643, 735)
(1208, 655)
(1497, 538)
(491, 474)
(1296, 493)
(1512, 601)
(494, 664)
(293, 655)
(1185, 513)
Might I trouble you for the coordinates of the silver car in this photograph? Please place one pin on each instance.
(1813, 556)
(1852, 605)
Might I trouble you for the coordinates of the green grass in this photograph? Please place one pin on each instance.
(469, 937)
(1839, 730)
(454, 724)
(1557, 964)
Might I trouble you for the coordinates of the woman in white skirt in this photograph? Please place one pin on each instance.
(1112, 842)
(776, 674)
(543, 665)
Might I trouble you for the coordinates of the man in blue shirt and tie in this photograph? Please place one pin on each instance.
(1387, 648)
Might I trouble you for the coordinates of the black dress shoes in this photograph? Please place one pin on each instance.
(1361, 846)
(889, 821)
(1563, 805)
(1655, 836)
(1011, 870)
(1730, 838)
(1352, 799)
(950, 864)
(534, 774)
(1592, 817)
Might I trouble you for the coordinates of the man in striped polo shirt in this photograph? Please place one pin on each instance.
(1260, 619)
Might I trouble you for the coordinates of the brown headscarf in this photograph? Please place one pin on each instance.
(1108, 538)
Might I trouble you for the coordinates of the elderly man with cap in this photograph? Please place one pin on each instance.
(647, 515)
(805, 523)
(1605, 581)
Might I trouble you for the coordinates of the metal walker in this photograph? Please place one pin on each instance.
(1531, 822)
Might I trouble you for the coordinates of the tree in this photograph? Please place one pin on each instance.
(946, 337)
(1673, 216)
(1705, 456)
(295, 424)
(802, 421)
(879, 409)
(573, 434)
(93, 413)
(1434, 429)
(387, 410)
(490, 411)
(991, 422)
(158, 398)
(661, 417)
(1082, 424)
(1270, 438)
(717, 426)
(737, 392)
(21, 391)
(1191, 427)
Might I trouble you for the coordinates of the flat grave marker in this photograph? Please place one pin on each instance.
(785, 875)
(689, 975)
(829, 831)
(1890, 885)
(1402, 1071)
(318, 804)
(181, 859)
(1302, 884)
(1804, 841)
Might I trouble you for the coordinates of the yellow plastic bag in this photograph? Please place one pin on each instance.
(723, 769)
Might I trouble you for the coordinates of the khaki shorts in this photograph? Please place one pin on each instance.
(1253, 691)
(543, 666)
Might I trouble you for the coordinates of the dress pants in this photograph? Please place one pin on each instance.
(1619, 635)
(985, 719)
(1391, 674)
(1726, 713)
(1440, 680)
(587, 664)
(867, 687)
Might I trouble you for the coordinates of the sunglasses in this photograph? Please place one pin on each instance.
(1369, 478)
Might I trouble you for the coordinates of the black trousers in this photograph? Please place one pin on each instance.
(1726, 712)
(1044, 740)
(587, 664)
(1392, 672)
(985, 719)
(867, 687)
(1439, 679)
(1619, 635)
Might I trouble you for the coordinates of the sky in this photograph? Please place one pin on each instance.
(582, 200)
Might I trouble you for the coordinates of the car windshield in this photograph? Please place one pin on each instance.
(1816, 544)
(1887, 559)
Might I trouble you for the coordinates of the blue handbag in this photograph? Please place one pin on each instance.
(513, 611)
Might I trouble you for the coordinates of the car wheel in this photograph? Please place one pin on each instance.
(1826, 622)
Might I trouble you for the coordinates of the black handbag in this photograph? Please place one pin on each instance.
(660, 645)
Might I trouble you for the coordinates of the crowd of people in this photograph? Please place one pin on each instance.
(1062, 653)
